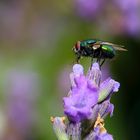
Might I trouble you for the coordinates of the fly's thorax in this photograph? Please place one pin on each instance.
(108, 51)
(87, 42)
(86, 47)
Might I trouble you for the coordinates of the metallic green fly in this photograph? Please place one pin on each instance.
(96, 49)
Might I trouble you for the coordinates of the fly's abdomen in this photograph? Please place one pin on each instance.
(108, 51)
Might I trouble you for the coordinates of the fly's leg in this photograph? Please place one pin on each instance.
(102, 62)
(99, 59)
(99, 62)
(78, 59)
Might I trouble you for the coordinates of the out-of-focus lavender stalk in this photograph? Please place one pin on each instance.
(21, 90)
(116, 16)
(88, 9)
(86, 106)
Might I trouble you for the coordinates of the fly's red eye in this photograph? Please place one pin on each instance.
(77, 46)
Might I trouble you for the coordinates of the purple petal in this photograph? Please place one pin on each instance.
(106, 136)
(80, 81)
(111, 109)
(107, 87)
(97, 134)
(79, 106)
(78, 69)
(94, 74)
(77, 76)
(95, 111)
(95, 66)
(116, 87)
(105, 108)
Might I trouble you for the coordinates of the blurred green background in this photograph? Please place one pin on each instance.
(36, 40)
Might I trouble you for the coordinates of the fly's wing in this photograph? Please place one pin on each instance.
(115, 46)
(119, 48)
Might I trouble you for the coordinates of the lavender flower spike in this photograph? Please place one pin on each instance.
(86, 92)
(86, 106)
(83, 96)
